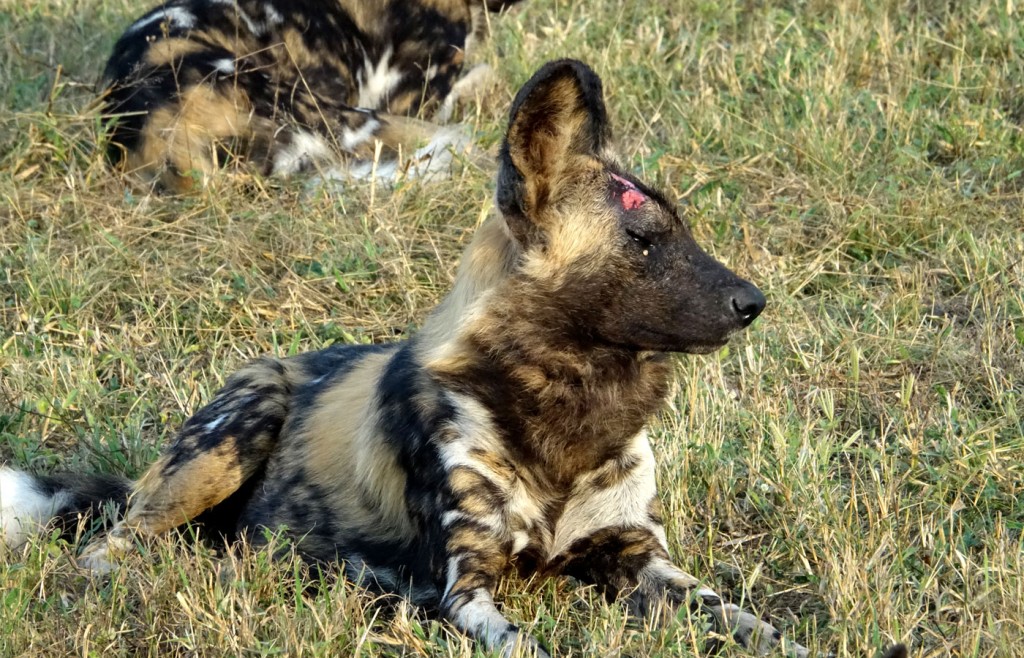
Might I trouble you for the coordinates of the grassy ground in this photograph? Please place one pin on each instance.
(852, 467)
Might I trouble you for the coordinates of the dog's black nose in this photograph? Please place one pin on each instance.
(747, 302)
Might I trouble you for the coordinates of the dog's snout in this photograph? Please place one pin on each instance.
(747, 302)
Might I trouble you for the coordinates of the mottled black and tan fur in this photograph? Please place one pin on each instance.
(292, 86)
(509, 432)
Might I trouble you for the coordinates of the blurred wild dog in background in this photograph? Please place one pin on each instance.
(293, 86)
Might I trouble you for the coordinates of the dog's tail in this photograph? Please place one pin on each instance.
(30, 503)
(896, 651)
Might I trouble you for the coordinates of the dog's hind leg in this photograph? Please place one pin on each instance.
(384, 148)
(473, 83)
(218, 449)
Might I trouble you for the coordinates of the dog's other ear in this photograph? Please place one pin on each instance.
(557, 115)
(499, 5)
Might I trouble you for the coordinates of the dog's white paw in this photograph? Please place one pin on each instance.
(472, 83)
(102, 555)
(521, 645)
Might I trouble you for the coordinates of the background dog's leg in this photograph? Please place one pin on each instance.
(472, 83)
(217, 450)
(389, 147)
(634, 563)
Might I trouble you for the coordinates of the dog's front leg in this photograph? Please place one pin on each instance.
(660, 580)
(470, 607)
(475, 553)
(633, 563)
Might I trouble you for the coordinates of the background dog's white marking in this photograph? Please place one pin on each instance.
(377, 81)
(24, 509)
(273, 17)
(215, 423)
(101, 555)
(477, 21)
(224, 65)
(352, 138)
(176, 17)
(435, 160)
(427, 163)
(257, 29)
(305, 148)
(384, 172)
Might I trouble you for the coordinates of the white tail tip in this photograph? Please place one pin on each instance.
(24, 508)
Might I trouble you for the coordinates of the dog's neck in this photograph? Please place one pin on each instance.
(488, 262)
(560, 401)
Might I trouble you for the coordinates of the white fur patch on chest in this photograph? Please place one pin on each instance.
(618, 494)
(626, 503)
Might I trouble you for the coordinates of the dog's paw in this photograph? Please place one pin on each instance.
(449, 148)
(96, 560)
(518, 644)
(437, 159)
(101, 556)
(473, 83)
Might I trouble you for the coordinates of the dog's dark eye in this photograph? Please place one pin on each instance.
(642, 241)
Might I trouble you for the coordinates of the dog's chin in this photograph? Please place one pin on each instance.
(706, 345)
(703, 348)
(662, 343)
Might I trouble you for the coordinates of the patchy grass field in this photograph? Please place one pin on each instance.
(851, 467)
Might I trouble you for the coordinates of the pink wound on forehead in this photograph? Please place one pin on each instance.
(632, 198)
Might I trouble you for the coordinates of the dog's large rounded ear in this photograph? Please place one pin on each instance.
(558, 114)
(499, 5)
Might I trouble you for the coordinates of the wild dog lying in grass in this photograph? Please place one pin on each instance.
(291, 86)
(510, 428)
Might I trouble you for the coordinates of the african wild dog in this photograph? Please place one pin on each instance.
(291, 86)
(510, 429)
